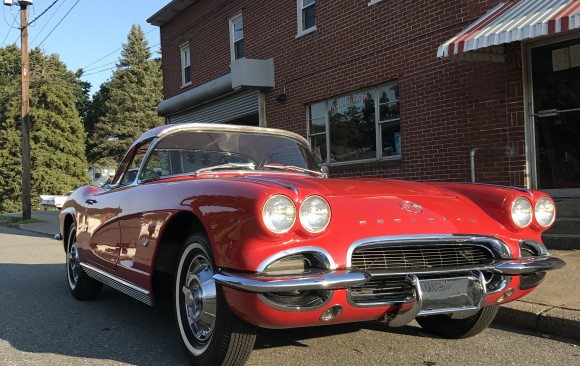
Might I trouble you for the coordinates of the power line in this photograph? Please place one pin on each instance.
(11, 25)
(41, 14)
(107, 69)
(118, 49)
(48, 21)
(113, 62)
(57, 24)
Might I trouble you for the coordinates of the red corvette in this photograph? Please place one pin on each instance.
(242, 230)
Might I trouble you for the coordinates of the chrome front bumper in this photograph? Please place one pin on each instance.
(337, 279)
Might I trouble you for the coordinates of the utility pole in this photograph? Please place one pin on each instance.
(25, 110)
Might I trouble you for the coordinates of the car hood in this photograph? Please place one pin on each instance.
(355, 187)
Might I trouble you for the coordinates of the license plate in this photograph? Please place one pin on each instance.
(451, 293)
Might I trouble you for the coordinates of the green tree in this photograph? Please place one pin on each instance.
(57, 150)
(94, 111)
(135, 89)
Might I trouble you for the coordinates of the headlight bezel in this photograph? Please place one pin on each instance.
(303, 219)
(553, 215)
(518, 202)
(268, 211)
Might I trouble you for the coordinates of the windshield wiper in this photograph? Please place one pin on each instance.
(294, 169)
(250, 166)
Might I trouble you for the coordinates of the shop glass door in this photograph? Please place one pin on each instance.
(556, 111)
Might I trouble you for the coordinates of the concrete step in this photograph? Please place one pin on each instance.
(565, 225)
(561, 241)
(567, 207)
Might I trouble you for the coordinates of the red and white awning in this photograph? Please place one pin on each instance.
(512, 21)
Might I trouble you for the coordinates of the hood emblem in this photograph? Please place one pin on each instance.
(411, 207)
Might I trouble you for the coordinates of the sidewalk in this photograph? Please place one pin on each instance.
(554, 307)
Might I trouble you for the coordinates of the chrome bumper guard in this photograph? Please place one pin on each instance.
(329, 280)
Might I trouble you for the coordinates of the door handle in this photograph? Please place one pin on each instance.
(90, 201)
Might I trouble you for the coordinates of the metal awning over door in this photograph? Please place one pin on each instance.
(512, 21)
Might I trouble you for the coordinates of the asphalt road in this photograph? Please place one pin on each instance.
(41, 324)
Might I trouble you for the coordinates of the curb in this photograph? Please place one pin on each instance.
(540, 318)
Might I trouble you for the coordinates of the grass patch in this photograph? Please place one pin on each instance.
(16, 220)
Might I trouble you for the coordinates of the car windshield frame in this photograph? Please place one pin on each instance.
(182, 152)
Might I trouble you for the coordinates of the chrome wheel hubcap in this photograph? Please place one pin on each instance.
(199, 291)
(73, 262)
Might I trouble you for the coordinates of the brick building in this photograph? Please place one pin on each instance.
(425, 90)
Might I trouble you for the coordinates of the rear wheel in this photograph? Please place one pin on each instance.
(445, 326)
(211, 333)
(81, 286)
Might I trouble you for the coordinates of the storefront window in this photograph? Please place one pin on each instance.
(354, 128)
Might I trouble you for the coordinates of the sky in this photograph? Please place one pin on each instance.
(87, 34)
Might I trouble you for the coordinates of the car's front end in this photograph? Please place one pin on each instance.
(388, 250)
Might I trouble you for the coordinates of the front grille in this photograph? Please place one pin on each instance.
(417, 256)
(386, 289)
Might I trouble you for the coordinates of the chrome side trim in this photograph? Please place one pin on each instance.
(258, 283)
(118, 284)
(324, 255)
(499, 248)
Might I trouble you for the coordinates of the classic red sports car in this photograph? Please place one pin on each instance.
(242, 229)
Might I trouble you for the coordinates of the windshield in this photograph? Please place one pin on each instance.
(196, 151)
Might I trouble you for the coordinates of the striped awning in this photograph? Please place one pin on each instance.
(512, 21)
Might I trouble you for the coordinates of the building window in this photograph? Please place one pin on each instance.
(357, 127)
(306, 16)
(373, 2)
(185, 65)
(237, 37)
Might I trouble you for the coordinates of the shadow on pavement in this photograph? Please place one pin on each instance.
(40, 316)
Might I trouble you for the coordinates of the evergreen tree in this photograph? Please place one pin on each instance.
(135, 89)
(57, 149)
(95, 110)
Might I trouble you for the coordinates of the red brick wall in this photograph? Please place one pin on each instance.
(447, 107)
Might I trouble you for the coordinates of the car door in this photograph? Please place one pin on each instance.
(99, 224)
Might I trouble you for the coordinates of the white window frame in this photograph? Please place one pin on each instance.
(185, 53)
(299, 8)
(233, 21)
(378, 123)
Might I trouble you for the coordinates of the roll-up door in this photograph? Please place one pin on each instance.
(232, 107)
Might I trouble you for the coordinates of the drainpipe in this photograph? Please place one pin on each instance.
(472, 158)
(507, 149)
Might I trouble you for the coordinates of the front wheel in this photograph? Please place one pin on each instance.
(445, 326)
(211, 333)
(81, 286)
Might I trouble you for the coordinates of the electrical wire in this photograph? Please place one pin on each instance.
(48, 21)
(41, 14)
(14, 17)
(57, 24)
(109, 68)
(118, 49)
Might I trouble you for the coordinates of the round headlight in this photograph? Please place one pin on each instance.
(279, 214)
(545, 211)
(314, 214)
(522, 212)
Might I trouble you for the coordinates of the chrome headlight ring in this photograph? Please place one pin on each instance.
(545, 212)
(279, 214)
(315, 214)
(522, 212)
